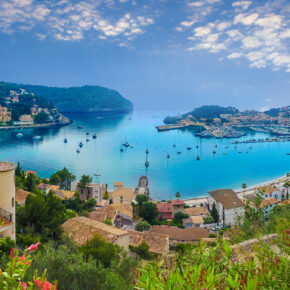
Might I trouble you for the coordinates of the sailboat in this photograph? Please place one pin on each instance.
(168, 156)
(147, 162)
(147, 151)
(197, 158)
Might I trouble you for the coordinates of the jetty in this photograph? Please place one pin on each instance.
(180, 125)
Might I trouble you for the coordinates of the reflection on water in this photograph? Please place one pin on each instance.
(181, 172)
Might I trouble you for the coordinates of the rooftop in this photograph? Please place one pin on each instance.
(118, 183)
(125, 192)
(177, 202)
(21, 195)
(196, 211)
(268, 189)
(82, 229)
(268, 201)
(227, 197)
(158, 243)
(6, 166)
(197, 219)
(188, 234)
(164, 207)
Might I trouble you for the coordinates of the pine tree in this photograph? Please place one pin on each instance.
(214, 213)
(18, 170)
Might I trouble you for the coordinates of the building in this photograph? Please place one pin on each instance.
(45, 188)
(197, 211)
(187, 223)
(92, 190)
(118, 185)
(21, 196)
(123, 195)
(197, 221)
(228, 205)
(177, 206)
(270, 192)
(158, 243)
(82, 229)
(177, 235)
(164, 211)
(5, 116)
(7, 200)
(267, 204)
(26, 119)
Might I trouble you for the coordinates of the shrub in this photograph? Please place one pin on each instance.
(108, 222)
(142, 226)
(142, 250)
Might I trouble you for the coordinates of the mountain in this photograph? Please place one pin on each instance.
(85, 99)
(208, 112)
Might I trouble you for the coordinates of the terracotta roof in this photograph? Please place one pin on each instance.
(98, 215)
(268, 189)
(82, 229)
(268, 201)
(195, 211)
(108, 212)
(43, 186)
(177, 202)
(187, 221)
(64, 194)
(21, 195)
(188, 234)
(158, 243)
(118, 183)
(31, 172)
(7, 166)
(197, 219)
(125, 192)
(227, 197)
(124, 209)
(285, 201)
(164, 207)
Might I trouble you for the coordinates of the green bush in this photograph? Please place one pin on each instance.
(142, 250)
(142, 226)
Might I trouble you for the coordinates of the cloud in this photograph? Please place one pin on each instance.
(242, 4)
(246, 19)
(235, 55)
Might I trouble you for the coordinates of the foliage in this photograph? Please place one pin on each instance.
(212, 235)
(208, 220)
(179, 216)
(63, 178)
(108, 222)
(244, 185)
(106, 195)
(214, 267)
(148, 211)
(6, 244)
(85, 180)
(90, 204)
(142, 250)
(74, 203)
(42, 214)
(140, 198)
(42, 117)
(142, 226)
(177, 195)
(214, 213)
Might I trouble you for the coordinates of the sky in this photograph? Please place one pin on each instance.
(160, 54)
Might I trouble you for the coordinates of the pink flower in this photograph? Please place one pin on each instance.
(47, 286)
(38, 283)
(12, 252)
(33, 247)
(23, 285)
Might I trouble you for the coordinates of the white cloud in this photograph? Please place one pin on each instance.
(242, 4)
(273, 21)
(187, 23)
(246, 19)
(202, 31)
(285, 33)
(223, 25)
(235, 55)
(251, 42)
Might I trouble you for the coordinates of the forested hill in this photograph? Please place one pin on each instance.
(82, 99)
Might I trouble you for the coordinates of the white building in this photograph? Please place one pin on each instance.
(228, 205)
(7, 200)
(270, 192)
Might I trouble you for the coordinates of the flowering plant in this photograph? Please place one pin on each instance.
(13, 275)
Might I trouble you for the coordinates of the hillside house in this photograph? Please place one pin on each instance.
(269, 192)
(122, 195)
(177, 206)
(197, 211)
(165, 211)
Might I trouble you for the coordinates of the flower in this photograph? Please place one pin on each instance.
(23, 285)
(12, 252)
(33, 247)
(38, 283)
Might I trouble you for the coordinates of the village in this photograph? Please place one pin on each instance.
(128, 217)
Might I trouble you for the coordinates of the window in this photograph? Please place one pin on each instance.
(12, 201)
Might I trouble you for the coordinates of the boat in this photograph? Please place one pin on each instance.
(240, 152)
(215, 146)
(168, 156)
(87, 140)
(19, 135)
(121, 149)
(147, 151)
(174, 145)
(87, 133)
(126, 144)
(196, 146)
(227, 147)
(214, 152)
(65, 140)
(94, 136)
(81, 144)
(146, 163)
(178, 152)
(80, 127)
(288, 154)
(36, 138)
(78, 151)
(97, 174)
(189, 148)
(197, 158)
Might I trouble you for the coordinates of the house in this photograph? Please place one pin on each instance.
(118, 185)
(197, 211)
(92, 190)
(106, 212)
(187, 223)
(30, 172)
(267, 204)
(228, 205)
(64, 194)
(5, 115)
(82, 229)
(21, 196)
(122, 195)
(7, 200)
(158, 243)
(164, 211)
(26, 118)
(269, 191)
(177, 206)
(177, 235)
(45, 188)
(197, 221)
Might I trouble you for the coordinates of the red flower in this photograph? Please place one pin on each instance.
(23, 285)
(38, 283)
(33, 247)
(12, 252)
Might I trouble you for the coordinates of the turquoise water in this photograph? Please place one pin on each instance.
(182, 173)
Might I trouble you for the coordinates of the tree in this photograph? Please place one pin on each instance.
(63, 178)
(209, 220)
(85, 180)
(18, 170)
(142, 226)
(106, 195)
(108, 222)
(42, 117)
(142, 250)
(177, 194)
(90, 204)
(244, 185)
(148, 211)
(31, 182)
(214, 213)
(140, 198)
(179, 216)
(74, 203)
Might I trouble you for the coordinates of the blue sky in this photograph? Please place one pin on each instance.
(160, 54)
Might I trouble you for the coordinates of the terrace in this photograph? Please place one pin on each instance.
(5, 219)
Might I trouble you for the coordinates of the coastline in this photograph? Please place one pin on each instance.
(240, 192)
(64, 122)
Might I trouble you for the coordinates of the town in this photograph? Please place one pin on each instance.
(128, 217)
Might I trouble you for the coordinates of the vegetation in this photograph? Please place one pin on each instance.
(208, 220)
(177, 195)
(85, 180)
(140, 198)
(148, 211)
(108, 222)
(142, 251)
(142, 226)
(63, 178)
(179, 216)
(214, 213)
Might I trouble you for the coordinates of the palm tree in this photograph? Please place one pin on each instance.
(177, 194)
(244, 186)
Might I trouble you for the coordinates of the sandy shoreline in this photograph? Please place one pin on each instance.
(240, 192)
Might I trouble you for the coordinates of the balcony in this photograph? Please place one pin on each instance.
(5, 218)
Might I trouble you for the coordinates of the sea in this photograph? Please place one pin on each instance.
(102, 158)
